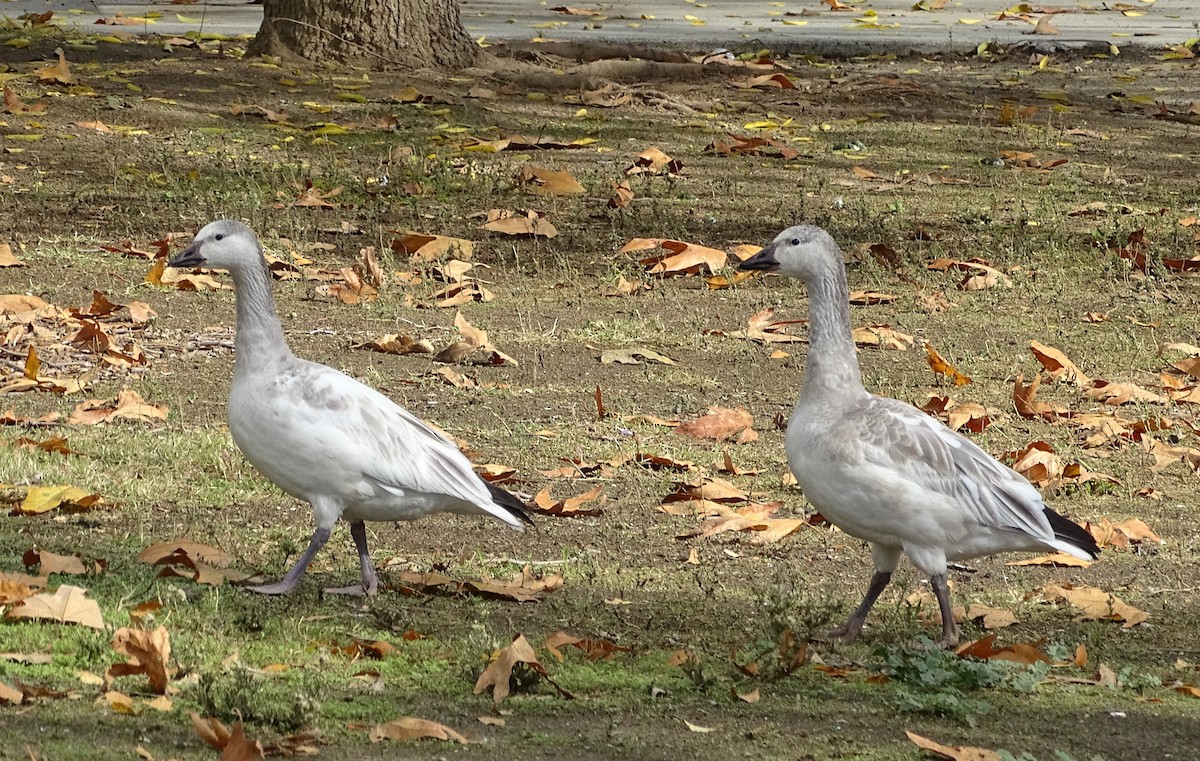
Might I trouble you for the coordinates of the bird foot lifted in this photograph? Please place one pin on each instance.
(278, 588)
(356, 590)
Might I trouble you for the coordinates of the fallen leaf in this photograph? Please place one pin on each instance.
(633, 356)
(58, 73)
(1122, 393)
(1037, 462)
(991, 618)
(622, 195)
(7, 258)
(129, 405)
(569, 507)
(1024, 399)
(883, 336)
(313, 197)
(697, 728)
(50, 563)
(721, 423)
(412, 728)
(762, 327)
(474, 347)
(653, 161)
(1058, 365)
(952, 752)
(681, 258)
(985, 649)
(541, 181)
(68, 605)
(1054, 559)
(148, 653)
(942, 367)
(1092, 603)
(985, 276)
(72, 499)
(498, 674)
(422, 248)
(398, 343)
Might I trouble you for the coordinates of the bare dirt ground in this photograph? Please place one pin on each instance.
(906, 155)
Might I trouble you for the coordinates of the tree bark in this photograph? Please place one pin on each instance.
(372, 33)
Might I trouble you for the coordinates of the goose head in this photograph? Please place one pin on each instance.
(224, 244)
(803, 251)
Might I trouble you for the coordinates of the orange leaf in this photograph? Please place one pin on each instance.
(942, 367)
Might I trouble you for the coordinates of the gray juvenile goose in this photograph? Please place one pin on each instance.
(884, 471)
(324, 437)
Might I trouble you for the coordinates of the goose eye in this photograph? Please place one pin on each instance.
(795, 241)
(218, 237)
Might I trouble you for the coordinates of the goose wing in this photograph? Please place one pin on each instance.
(922, 451)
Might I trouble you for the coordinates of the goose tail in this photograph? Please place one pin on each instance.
(516, 511)
(1071, 538)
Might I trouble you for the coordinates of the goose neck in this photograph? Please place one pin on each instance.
(832, 364)
(260, 341)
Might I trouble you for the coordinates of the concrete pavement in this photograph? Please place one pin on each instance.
(870, 26)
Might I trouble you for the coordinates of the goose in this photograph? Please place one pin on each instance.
(324, 437)
(884, 471)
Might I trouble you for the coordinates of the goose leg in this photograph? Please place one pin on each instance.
(292, 578)
(370, 582)
(949, 627)
(850, 630)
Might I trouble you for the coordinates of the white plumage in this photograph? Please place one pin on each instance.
(884, 471)
(323, 436)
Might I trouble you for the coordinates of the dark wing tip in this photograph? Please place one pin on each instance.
(1070, 531)
(509, 502)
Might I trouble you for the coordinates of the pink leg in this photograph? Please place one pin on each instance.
(292, 578)
(370, 582)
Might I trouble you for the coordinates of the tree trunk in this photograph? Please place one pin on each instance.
(373, 33)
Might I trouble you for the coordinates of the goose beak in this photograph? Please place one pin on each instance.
(189, 257)
(763, 261)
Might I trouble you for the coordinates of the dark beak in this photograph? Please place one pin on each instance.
(189, 257)
(763, 261)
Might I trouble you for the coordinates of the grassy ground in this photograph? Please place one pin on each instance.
(179, 159)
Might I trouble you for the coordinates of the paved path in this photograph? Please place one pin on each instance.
(704, 24)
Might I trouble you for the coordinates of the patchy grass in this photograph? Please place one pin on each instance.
(274, 662)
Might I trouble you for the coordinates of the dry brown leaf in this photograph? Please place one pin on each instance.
(1122, 535)
(474, 347)
(7, 257)
(541, 181)
(985, 649)
(762, 327)
(942, 367)
(985, 276)
(1117, 394)
(951, 752)
(633, 356)
(1037, 462)
(883, 336)
(991, 618)
(412, 728)
(398, 343)
(50, 563)
(1044, 26)
(422, 248)
(68, 605)
(497, 675)
(570, 507)
(1058, 365)
(654, 161)
(129, 405)
(1165, 455)
(1054, 559)
(721, 423)
(313, 197)
(1024, 399)
(148, 653)
(622, 195)
(522, 227)
(1092, 603)
(57, 73)
(681, 258)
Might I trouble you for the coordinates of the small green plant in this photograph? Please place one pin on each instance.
(932, 681)
(240, 695)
